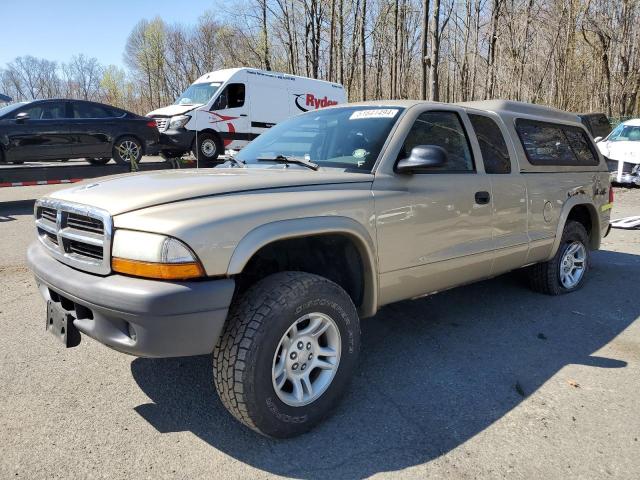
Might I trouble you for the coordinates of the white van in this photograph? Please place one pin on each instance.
(228, 108)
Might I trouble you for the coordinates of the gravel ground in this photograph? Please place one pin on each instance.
(484, 381)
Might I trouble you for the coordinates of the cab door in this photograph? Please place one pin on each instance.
(434, 228)
(229, 116)
(92, 127)
(42, 135)
(508, 192)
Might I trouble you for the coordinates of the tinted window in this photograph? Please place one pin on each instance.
(495, 154)
(114, 112)
(45, 111)
(89, 110)
(231, 97)
(554, 144)
(445, 130)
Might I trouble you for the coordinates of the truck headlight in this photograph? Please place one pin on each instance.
(150, 255)
(179, 121)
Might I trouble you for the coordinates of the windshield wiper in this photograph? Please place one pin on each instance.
(296, 160)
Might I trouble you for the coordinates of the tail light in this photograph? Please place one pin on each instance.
(610, 194)
(152, 124)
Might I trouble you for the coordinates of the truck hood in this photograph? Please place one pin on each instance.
(124, 193)
(621, 151)
(172, 110)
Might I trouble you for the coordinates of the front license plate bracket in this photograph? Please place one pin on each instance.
(60, 324)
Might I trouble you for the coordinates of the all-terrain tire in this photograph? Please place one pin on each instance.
(244, 356)
(545, 277)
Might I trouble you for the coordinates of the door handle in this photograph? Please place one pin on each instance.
(482, 198)
(243, 114)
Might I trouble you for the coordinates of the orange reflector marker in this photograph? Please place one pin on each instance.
(160, 271)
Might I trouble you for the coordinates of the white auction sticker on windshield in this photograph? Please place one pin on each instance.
(377, 113)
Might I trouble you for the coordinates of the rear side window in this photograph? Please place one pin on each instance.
(554, 144)
(495, 154)
(114, 112)
(445, 130)
(89, 110)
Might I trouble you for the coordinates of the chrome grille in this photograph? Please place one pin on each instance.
(162, 123)
(75, 234)
(84, 223)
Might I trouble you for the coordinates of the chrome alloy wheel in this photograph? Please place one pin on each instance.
(129, 151)
(306, 359)
(208, 148)
(573, 264)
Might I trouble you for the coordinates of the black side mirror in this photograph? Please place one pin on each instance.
(422, 158)
(22, 117)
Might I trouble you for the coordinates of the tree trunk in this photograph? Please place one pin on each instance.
(495, 16)
(434, 93)
(423, 45)
(265, 38)
(363, 45)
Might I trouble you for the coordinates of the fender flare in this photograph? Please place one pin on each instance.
(308, 226)
(576, 200)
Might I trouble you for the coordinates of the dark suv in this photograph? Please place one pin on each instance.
(64, 129)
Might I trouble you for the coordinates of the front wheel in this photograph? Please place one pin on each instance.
(127, 150)
(566, 271)
(207, 147)
(287, 353)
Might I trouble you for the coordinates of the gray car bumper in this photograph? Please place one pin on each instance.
(141, 317)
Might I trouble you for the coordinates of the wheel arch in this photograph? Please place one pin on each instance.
(215, 133)
(314, 227)
(582, 210)
(132, 135)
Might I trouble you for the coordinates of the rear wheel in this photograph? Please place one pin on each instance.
(566, 271)
(98, 161)
(207, 147)
(127, 150)
(287, 353)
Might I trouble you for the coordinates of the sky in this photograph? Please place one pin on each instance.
(58, 29)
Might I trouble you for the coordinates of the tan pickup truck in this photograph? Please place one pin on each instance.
(270, 260)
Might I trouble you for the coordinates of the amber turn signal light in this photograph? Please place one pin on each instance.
(159, 271)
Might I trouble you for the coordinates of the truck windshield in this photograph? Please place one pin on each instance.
(339, 137)
(198, 94)
(625, 133)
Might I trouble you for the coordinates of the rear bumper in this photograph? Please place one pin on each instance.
(140, 317)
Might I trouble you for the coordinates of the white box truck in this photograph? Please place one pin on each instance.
(226, 109)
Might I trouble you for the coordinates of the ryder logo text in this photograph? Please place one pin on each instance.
(311, 102)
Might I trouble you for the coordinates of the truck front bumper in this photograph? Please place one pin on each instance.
(140, 317)
(177, 141)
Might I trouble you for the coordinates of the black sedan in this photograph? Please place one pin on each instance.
(64, 129)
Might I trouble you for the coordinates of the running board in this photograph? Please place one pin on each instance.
(627, 222)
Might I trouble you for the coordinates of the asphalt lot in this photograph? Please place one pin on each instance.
(485, 381)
